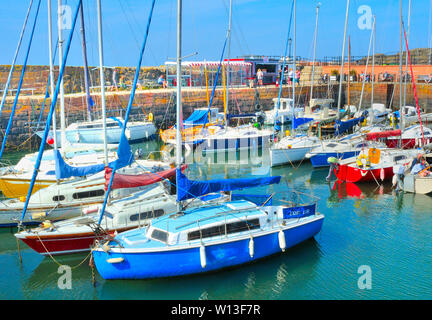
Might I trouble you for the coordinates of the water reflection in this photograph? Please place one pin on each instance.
(269, 278)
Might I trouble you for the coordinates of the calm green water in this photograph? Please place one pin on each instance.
(389, 233)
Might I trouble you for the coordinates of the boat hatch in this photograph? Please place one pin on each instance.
(223, 229)
(241, 205)
(331, 145)
(159, 235)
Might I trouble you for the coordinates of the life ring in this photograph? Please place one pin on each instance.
(360, 162)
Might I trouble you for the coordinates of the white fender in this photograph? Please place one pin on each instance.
(203, 256)
(128, 133)
(282, 242)
(251, 247)
(394, 180)
(382, 174)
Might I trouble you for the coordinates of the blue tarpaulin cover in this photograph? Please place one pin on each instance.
(188, 189)
(343, 126)
(63, 170)
(196, 118)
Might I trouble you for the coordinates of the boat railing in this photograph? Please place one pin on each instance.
(292, 199)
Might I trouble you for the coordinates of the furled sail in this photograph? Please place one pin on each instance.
(382, 134)
(132, 181)
(343, 126)
(63, 170)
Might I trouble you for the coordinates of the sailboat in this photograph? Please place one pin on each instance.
(215, 137)
(135, 199)
(90, 132)
(293, 148)
(15, 180)
(210, 237)
(63, 200)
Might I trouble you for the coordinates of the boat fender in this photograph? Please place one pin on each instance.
(282, 243)
(332, 160)
(150, 117)
(203, 256)
(115, 260)
(382, 174)
(92, 209)
(46, 224)
(394, 180)
(251, 247)
(38, 215)
(128, 133)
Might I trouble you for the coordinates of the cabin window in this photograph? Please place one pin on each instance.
(147, 215)
(159, 235)
(88, 194)
(58, 198)
(220, 229)
(397, 158)
(331, 145)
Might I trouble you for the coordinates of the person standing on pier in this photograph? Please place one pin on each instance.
(260, 76)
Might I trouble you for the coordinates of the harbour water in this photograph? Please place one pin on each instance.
(368, 226)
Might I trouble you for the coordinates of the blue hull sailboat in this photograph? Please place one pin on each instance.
(206, 239)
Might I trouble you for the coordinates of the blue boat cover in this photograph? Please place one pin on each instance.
(187, 189)
(343, 126)
(300, 121)
(63, 170)
(196, 118)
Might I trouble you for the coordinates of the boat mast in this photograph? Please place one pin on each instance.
(366, 69)
(294, 67)
(86, 73)
(52, 74)
(179, 100)
(342, 62)
(60, 47)
(314, 52)
(228, 65)
(102, 81)
(349, 71)
(5, 91)
(406, 65)
(51, 69)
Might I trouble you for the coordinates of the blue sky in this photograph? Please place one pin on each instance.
(259, 27)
